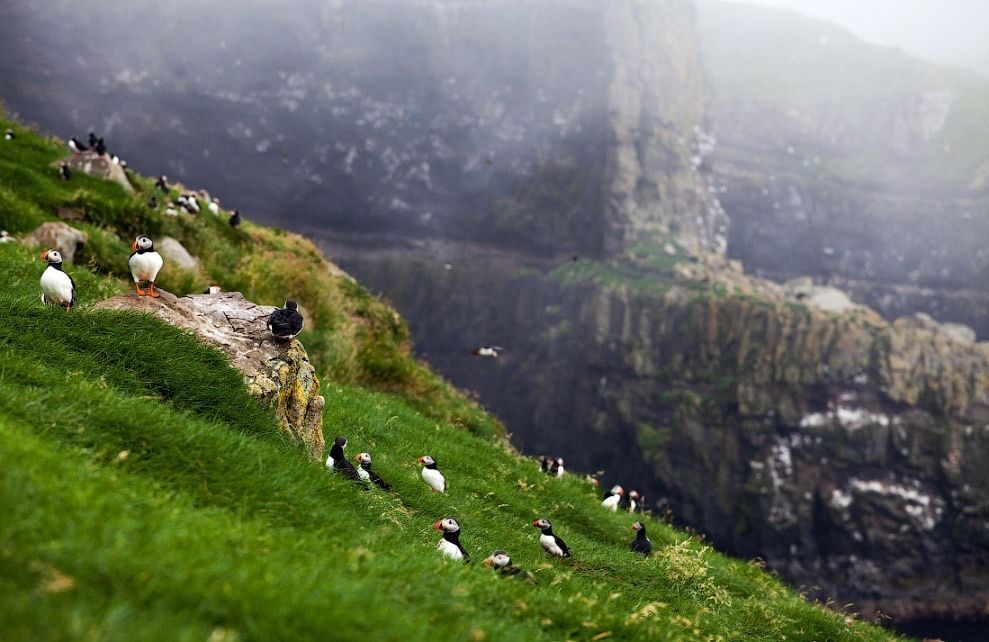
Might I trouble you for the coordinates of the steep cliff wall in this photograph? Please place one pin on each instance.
(845, 451)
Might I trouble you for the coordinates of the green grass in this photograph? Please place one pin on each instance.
(146, 496)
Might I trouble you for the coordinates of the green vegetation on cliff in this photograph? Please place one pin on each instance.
(146, 496)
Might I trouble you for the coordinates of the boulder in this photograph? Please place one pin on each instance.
(175, 254)
(59, 236)
(954, 331)
(99, 167)
(821, 297)
(276, 372)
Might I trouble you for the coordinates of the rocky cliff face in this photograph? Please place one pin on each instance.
(276, 372)
(845, 451)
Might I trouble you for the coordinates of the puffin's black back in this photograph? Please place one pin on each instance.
(285, 322)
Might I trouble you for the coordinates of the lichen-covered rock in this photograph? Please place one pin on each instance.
(98, 166)
(67, 240)
(277, 372)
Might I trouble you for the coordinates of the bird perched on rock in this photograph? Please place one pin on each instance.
(641, 543)
(144, 264)
(92, 139)
(286, 323)
(214, 206)
(491, 352)
(99, 147)
(337, 460)
(57, 287)
(5, 237)
(634, 499)
(76, 146)
(9, 134)
(550, 542)
(612, 498)
(234, 219)
(450, 544)
(162, 183)
(502, 563)
(432, 475)
(64, 172)
(364, 471)
(213, 289)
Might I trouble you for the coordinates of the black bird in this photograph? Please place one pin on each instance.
(286, 323)
(550, 542)
(503, 564)
(544, 463)
(76, 146)
(364, 471)
(153, 202)
(64, 171)
(9, 134)
(162, 183)
(641, 543)
(338, 461)
(235, 219)
(92, 139)
(99, 147)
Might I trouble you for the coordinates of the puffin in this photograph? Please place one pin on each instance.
(57, 287)
(641, 543)
(92, 139)
(612, 498)
(450, 544)
(502, 563)
(162, 183)
(338, 461)
(432, 475)
(64, 172)
(5, 237)
(9, 134)
(491, 352)
(190, 203)
(76, 146)
(545, 463)
(214, 206)
(364, 471)
(99, 147)
(144, 265)
(556, 467)
(286, 323)
(234, 219)
(550, 542)
(633, 500)
(170, 210)
(153, 202)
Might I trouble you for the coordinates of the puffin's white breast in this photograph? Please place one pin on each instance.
(450, 550)
(435, 479)
(611, 502)
(549, 543)
(145, 266)
(57, 286)
(363, 474)
(329, 461)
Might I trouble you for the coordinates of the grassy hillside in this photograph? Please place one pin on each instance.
(146, 496)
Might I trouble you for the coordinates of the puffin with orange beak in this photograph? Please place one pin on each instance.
(613, 497)
(57, 287)
(144, 265)
(550, 542)
(450, 544)
(502, 563)
(641, 543)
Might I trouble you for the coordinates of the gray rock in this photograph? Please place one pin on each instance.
(175, 254)
(954, 331)
(277, 372)
(59, 236)
(99, 167)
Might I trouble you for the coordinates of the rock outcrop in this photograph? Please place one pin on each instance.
(59, 236)
(277, 372)
(99, 166)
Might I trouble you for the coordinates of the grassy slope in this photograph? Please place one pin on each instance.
(145, 496)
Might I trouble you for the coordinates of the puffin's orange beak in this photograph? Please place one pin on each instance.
(535, 523)
(488, 561)
(438, 526)
(44, 255)
(420, 459)
(133, 246)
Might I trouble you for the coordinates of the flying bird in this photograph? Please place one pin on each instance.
(286, 323)
(57, 287)
(144, 263)
(450, 544)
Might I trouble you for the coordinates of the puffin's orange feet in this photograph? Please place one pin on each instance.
(152, 292)
(137, 288)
